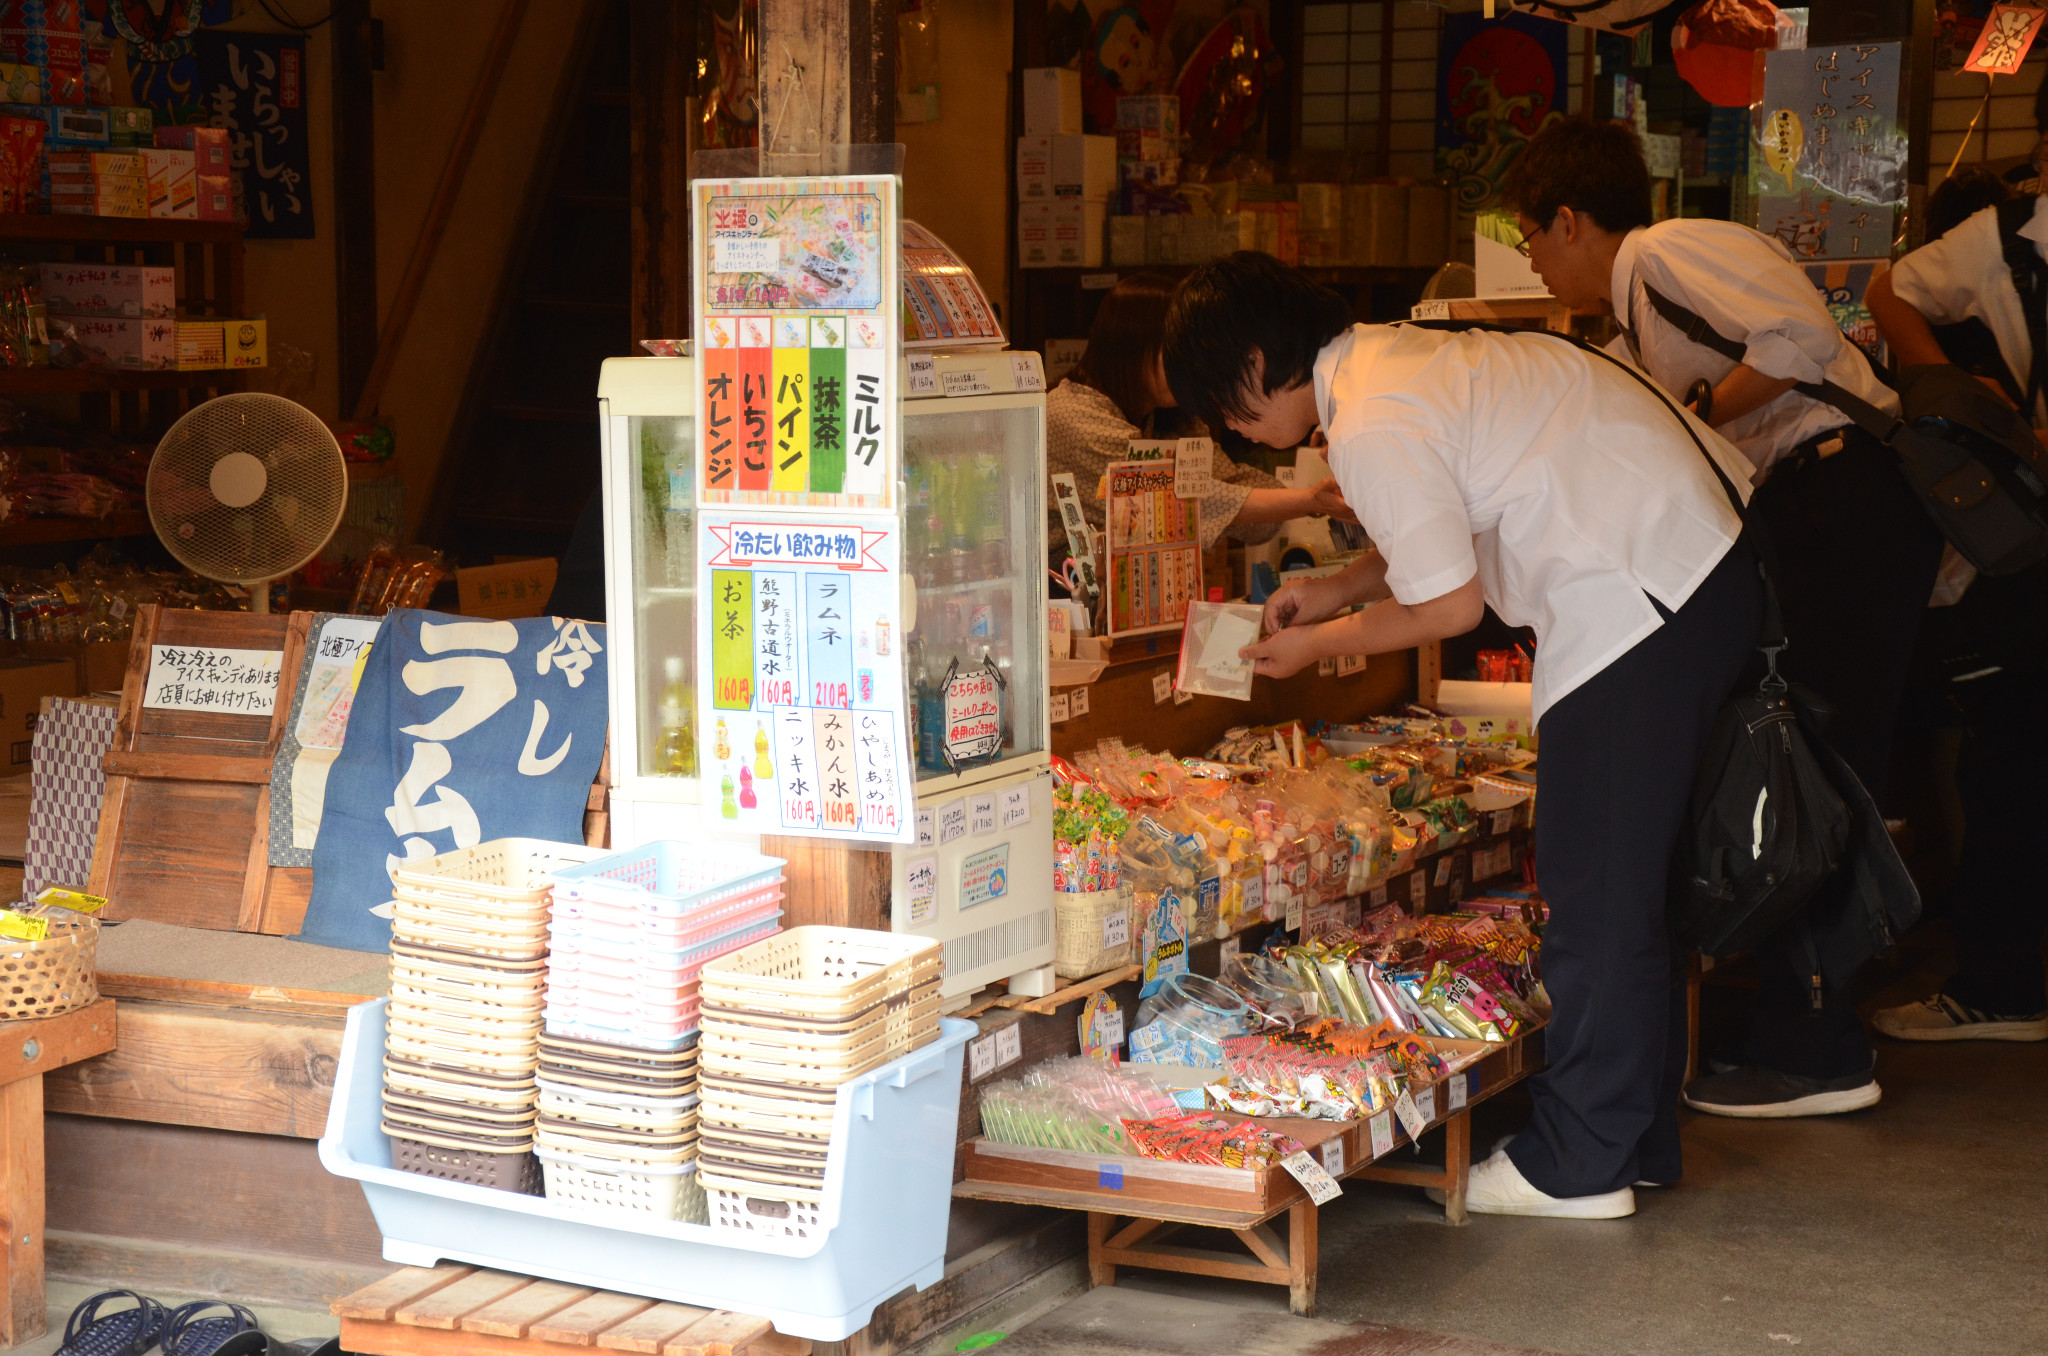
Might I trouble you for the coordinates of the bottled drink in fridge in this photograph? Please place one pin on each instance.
(675, 744)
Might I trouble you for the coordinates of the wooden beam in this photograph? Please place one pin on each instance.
(266, 1073)
(663, 74)
(21, 1211)
(46, 1044)
(355, 197)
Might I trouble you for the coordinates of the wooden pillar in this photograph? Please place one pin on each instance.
(664, 77)
(355, 199)
(828, 79)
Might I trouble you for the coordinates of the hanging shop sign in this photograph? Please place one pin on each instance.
(1832, 169)
(1153, 565)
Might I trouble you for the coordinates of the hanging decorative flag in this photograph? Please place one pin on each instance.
(2009, 31)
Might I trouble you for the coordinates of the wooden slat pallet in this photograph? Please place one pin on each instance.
(1136, 1206)
(468, 1311)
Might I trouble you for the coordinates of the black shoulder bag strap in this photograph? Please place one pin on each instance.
(2030, 280)
(1771, 638)
(1694, 326)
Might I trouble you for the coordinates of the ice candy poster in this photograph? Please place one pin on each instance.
(1830, 166)
(800, 676)
(798, 330)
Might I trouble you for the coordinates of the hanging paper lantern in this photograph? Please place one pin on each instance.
(1715, 44)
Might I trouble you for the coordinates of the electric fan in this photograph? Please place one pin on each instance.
(245, 488)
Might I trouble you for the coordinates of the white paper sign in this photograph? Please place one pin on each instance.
(1333, 1156)
(1162, 686)
(1228, 950)
(1182, 698)
(1025, 372)
(1382, 1131)
(1418, 891)
(1348, 664)
(1116, 930)
(972, 382)
(1294, 913)
(981, 1057)
(1460, 1091)
(1503, 821)
(927, 828)
(1193, 468)
(1056, 708)
(924, 376)
(982, 816)
(1326, 668)
(204, 678)
(1016, 807)
(1379, 896)
(1321, 1187)
(1410, 1114)
(1112, 1026)
(1010, 1044)
(921, 878)
(952, 821)
(1077, 701)
(1425, 1103)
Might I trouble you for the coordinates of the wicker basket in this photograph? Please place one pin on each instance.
(42, 979)
(1079, 923)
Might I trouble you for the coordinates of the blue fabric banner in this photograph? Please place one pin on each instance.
(462, 731)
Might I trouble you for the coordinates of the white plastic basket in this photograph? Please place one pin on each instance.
(820, 972)
(515, 871)
(600, 1186)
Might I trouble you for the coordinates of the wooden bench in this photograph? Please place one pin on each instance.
(468, 1311)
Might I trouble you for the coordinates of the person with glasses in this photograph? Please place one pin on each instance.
(1853, 554)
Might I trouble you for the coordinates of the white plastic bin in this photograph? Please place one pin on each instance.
(888, 1192)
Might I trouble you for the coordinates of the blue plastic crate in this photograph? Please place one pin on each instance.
(888, 1193)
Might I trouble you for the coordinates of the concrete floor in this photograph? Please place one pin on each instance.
(1918, 1226)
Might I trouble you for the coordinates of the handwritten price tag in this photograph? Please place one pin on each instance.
(1162, 686)
(1321, 1187)
(1116, 930)
(1333, 1156)
(1459, 1092)
(1077, 702)
(1425, 1104)
(1410, 1114)
(1382, 1127)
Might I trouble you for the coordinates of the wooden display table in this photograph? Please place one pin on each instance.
(1134, 1204)
(467, 1311)
(28, 1050)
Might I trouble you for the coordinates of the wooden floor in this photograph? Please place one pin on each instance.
(465, 1311)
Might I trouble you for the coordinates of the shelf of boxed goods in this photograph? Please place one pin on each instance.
(116, 230)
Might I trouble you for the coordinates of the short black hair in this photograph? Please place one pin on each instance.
(1592, 165)
(1241, 304)
(1963, 195)
(1123, 341)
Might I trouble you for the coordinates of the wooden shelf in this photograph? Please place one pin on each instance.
(43, 531)
(73, 380)
(142, 230)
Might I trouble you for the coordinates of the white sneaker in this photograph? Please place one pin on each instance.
(1941, 1018)
(1497, 1187)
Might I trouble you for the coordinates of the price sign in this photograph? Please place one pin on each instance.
(1016, 807)
(1162, 686)
(1410, 1114)
(1382, 1127)
(921, 878)
(1418, 891)
(981, 1058)
(1457, 1095)
(1057, 709)
(1503, 821)
(1425, 1103)
(1009, 1044)
(1116, 930)
(1294, 913)
(952, 821)
(981, 816)
(924, 376)
(1077, 701)
(1025, 372)
(927, 828)
(1333, 1156)
(1321, 1187)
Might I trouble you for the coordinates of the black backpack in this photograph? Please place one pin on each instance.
(1765, 825)
(1972, 459)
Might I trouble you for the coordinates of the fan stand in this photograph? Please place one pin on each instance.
(239, 480)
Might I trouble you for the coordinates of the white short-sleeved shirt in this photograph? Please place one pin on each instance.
(1963, 276)
(1745, 284)
(1562, 480)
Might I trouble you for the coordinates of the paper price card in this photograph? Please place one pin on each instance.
(1321, 1187)
(798, 336)
(1382, 1134)
(1333, 1156)
(981, 815)
(205, 678)
(1425, 1104)
(1016, 807)
(1116, 929)
(1456, 1095)
(1410, 1114)
(1194, 463)
(796, 681)
(921, 881)
(1154, 558)
(952, 821)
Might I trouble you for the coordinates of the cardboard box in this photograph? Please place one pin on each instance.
(144, 344)
(99, 73)
(517, 588)
(23, 685)
(210, 144)
(51, 16)
(202, 345)
(95, 167)
(1052, 101)
(1127, 241)
(215, 197)
(132, 128)
(1066, 167)
(1150, 173)
(173, 183)
(66, 128)
(1034, 234)
(110, 289)
(21, 164)
(1061, 233)
(248, 343)
(115, 202)
(20, 83)
(1149, 113)
(1135, 143)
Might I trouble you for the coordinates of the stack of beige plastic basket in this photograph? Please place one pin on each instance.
(468, 958)
(785, 1022)
(618, 1128)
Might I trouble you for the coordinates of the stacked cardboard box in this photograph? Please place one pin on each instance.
(47, 35)
(212, 187)
(1065, 179)
(99, 183)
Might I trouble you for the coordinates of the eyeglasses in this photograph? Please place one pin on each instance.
(1522, 245)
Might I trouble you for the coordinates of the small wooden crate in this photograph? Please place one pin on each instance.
(467, 1311)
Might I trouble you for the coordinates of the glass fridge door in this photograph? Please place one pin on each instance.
(974, 547)
(656, 454)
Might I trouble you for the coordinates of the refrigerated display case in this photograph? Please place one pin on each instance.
(974, 649)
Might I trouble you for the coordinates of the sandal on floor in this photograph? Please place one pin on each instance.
(190, 1331)
(93, 1330)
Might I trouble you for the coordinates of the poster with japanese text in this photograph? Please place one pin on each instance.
(798, 334)
(254, 85)
(1153, 548)
(1830, 167)
(802, 725)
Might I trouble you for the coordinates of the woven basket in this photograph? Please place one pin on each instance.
(42, 979)
(1079, 924)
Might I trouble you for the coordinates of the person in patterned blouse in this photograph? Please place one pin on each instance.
(1119, 392)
